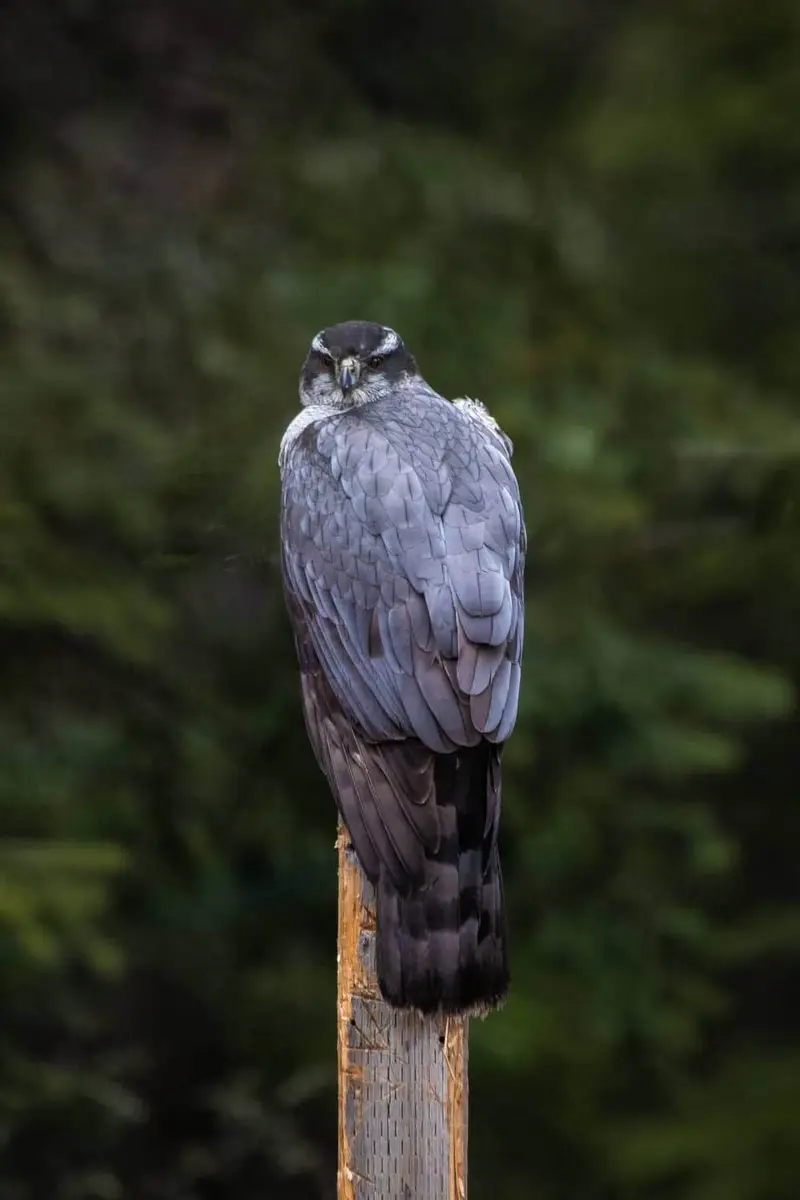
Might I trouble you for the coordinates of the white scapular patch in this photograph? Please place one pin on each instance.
(476, 410)
(307, 416)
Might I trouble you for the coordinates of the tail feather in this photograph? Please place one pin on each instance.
(424, 827)
(443, 945)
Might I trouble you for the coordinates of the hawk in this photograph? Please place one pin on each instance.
(403, 548)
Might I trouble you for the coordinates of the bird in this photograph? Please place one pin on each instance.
(403, 551)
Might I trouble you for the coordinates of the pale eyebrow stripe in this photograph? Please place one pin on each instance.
(320, 347)
(390, 342)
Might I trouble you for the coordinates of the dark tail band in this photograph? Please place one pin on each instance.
(443, 947)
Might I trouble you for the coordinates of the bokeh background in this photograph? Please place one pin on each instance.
(586, 213)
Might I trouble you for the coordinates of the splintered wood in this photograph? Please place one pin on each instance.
(402, 1077)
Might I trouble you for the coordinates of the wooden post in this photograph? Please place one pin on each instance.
(403, 1087)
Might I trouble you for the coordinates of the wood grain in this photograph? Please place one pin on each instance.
(403, 1089)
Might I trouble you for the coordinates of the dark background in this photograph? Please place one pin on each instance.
(587, 214)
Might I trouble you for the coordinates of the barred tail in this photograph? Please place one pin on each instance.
(443, 946)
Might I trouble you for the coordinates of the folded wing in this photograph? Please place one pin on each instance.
(403, 547)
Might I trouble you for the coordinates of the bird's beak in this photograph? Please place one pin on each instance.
(349, 371)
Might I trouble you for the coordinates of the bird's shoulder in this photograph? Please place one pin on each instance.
(418, 445)
(300, 439)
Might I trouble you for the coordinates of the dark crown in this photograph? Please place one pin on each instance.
(360, 338)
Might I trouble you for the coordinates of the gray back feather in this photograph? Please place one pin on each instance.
(403, 551)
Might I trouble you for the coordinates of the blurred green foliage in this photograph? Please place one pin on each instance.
(586, 214)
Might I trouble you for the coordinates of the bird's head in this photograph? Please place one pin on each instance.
(353, 363)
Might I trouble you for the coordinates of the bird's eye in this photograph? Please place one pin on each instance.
(375, 360)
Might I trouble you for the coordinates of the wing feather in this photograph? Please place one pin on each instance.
(403, 551)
